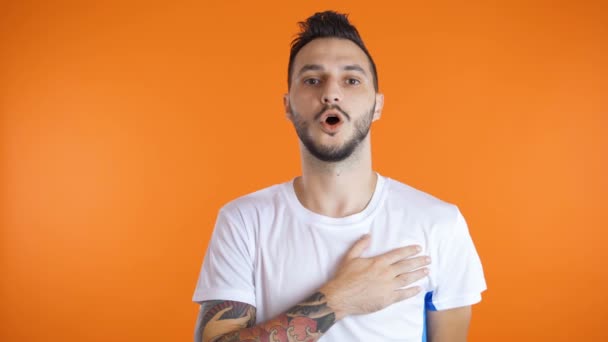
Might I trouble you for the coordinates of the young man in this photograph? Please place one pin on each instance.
(340, 253)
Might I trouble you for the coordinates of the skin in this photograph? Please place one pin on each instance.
(342, 188)
(335, 72)
(448, 325)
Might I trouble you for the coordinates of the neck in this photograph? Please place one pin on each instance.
(337, 189)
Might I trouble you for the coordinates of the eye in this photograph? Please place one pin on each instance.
(312, 81)
(353, 81)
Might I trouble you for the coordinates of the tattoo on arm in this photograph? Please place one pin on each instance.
(315, 308)
(228, 309)
(217, 317)
(227, 321)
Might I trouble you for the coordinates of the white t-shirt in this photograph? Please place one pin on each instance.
(269, 251)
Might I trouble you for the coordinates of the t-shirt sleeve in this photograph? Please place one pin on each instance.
(227, 270)
(458, 278)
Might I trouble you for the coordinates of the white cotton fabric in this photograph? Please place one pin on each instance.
(269, 251)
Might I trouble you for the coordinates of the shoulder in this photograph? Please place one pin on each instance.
(419, 204)
(255, 203)
(240, 218)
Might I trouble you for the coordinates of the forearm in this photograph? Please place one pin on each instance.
(307, 321)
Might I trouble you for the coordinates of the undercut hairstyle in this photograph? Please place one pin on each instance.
(328, 24)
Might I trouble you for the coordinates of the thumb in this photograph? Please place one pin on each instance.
(358, 247)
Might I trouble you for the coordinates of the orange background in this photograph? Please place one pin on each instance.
(124, 128)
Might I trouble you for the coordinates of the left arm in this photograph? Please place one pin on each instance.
(450, 325)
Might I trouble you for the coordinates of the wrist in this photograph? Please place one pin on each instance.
(333, 302)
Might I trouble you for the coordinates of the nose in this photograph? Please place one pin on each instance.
(331, 93)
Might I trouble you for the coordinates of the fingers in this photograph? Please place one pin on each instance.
(409, 278)
(403, 294)
(410, 264)
(358, 247)
(399, 254)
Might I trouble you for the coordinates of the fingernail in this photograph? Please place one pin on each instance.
(418, 248)
(427, 259)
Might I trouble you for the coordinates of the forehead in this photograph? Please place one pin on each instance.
(329, 52)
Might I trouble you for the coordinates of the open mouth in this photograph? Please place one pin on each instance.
(332, 120)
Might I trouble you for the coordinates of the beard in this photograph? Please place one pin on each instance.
(333, 154)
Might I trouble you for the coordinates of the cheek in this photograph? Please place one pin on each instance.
(359, 102)
(303, 103)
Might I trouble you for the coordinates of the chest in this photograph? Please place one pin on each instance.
(294, 259)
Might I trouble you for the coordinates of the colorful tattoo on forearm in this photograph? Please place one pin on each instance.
(305, 322)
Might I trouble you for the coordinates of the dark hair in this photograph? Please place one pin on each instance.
(328, 24)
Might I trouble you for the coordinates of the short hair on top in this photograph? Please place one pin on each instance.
(328, 24)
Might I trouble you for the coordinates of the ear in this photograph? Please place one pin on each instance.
(287, 107)
(378, 107)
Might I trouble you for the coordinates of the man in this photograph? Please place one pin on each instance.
(340, 253)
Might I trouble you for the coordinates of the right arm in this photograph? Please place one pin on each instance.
(361, 285)
(223, 321)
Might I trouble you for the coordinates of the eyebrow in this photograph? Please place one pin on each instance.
(318, 67)
(355, 67)
(310, 67)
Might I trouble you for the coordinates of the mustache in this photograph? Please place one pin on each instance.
(328, 107)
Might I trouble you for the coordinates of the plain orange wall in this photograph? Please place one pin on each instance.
(124, 128)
